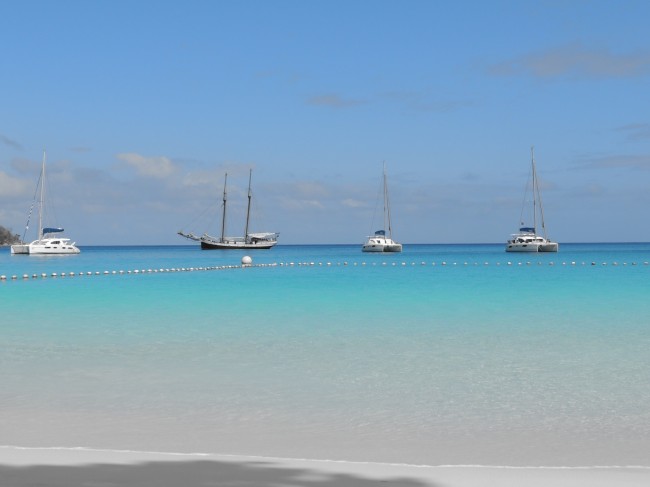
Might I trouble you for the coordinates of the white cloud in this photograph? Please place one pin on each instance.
(156, 167)
(201, 178)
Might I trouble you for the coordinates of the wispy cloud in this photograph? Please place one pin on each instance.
(576, 60)
(11, 143)
(10, 186)
(593, 190)
(309, 188)
(80, 149)
(617, 161)
(635, 131)
(156, 167)
(303, 195)
(334, 101)
(288, 203)
(352, 203)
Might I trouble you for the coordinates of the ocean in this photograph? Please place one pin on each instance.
(440, 355)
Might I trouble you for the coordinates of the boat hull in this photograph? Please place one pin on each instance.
(375, 247)
(531, 243)
(46, 247)
(530, 247)
(211, 245)
(20, 249)
(549, 247)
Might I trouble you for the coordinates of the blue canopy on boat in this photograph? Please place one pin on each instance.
(52, 230)
(380, 232)
(527, 229)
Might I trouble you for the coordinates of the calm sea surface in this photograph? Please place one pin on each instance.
(443, 354)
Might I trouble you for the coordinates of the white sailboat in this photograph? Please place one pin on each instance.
(527, 239)
(263, 240)
(45, 243)
(379, 242)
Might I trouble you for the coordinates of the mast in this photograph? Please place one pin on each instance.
(40, 203)
(537, 193)
(248, 210)
(532, 162)
(387, 204)
(223, 217)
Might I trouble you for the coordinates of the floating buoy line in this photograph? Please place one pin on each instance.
(247, 262)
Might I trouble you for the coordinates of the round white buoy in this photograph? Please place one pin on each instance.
(246, 260)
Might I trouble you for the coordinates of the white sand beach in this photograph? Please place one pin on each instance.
(77, 467)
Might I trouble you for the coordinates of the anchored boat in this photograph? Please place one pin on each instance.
(527, 239)
(45, 243)
(263, 240)
(379, 242)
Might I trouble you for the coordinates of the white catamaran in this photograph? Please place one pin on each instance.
(527, 240)
(264, 240)
(379, 242)
(45, 243)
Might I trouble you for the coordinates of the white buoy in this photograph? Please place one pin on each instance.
(246, 260)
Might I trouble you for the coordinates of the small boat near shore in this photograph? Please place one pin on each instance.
(527, 239)
(46, 243)
(249, 241)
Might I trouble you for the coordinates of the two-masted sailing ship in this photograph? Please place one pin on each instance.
(263, 240)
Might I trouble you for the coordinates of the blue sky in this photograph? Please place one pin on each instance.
(142, 107)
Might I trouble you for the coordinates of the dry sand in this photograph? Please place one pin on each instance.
(59, 467)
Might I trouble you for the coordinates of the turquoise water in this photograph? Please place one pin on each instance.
(444, 354)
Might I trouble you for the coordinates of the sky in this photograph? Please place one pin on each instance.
(142, 107)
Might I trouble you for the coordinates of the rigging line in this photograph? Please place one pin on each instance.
(387, 205)
(31, 208)
(211, 209)
(374, 214)
(523, 204)
(50, 215)
(539, 197)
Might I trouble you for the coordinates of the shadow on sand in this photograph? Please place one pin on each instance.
(188, 474)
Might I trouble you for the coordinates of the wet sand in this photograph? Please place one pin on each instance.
(52, 467)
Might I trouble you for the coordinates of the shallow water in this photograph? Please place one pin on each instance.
(444, 354)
